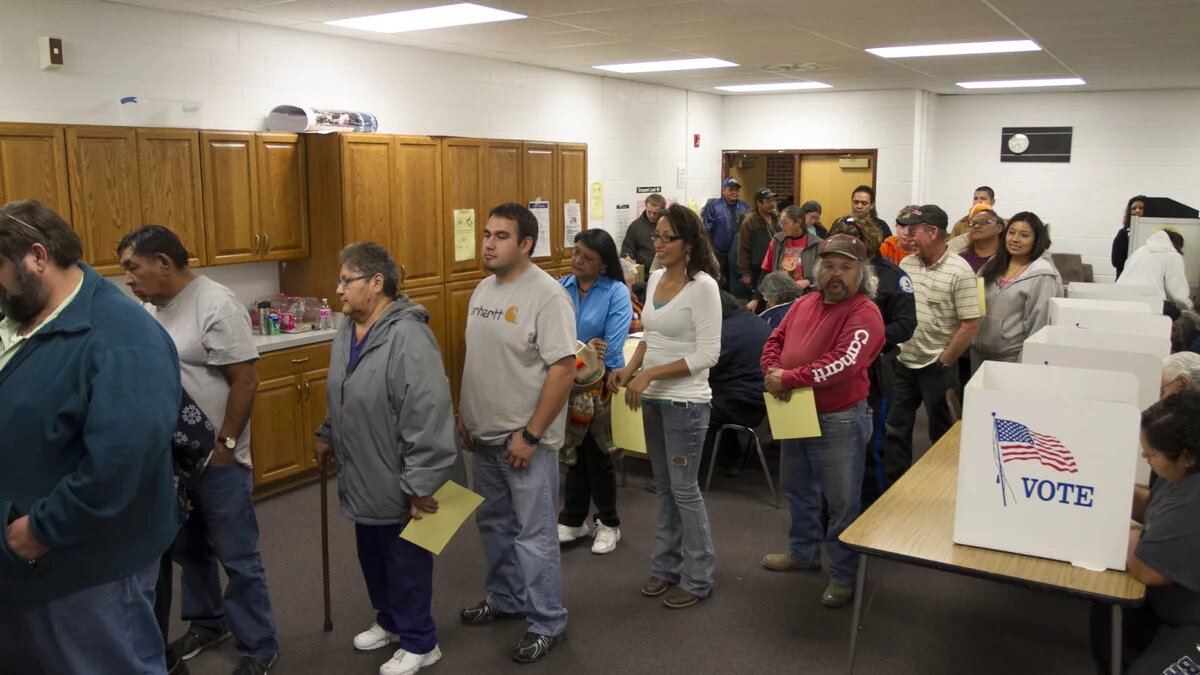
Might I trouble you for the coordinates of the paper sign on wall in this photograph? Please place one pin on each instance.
(596, 208)
(623, 218)
(541, 211)
(572, 223)
(694, 204)
(464, 235)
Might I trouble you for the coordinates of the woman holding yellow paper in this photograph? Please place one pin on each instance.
(827, 342)
(390, 427)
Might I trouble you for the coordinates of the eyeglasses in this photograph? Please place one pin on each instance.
(982, 223)
(31, 228)
(665, 238)
(342, 283)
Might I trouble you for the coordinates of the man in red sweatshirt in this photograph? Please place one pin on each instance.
(827, 342)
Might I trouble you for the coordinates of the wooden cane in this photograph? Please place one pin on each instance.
(325, 540)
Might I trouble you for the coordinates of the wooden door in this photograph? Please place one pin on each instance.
(504, 172)
(433, 299)
(368, 188)
(316, 407)
(458, 303)
(169, 170)
(33, 165)
(823, 179)
(230, 169)
(463, 190)
(282, 196)
(102, 167)
(572, 185)
(537, 184)
(278, 429)
(419, 197)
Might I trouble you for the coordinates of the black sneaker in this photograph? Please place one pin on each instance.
(484, 613)
(248, 665)
(534, 647)
(193, 643)
(175, 665)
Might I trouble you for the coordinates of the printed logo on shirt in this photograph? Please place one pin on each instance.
(906, 284)
(861, 337)
(495, 313)
(510, 314)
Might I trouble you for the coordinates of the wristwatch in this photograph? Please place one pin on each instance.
(529, 438)
(229, 443)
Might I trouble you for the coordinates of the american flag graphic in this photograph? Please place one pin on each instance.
(1018, 442)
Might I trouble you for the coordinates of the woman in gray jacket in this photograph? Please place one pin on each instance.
(390, 427)
(1018, 284)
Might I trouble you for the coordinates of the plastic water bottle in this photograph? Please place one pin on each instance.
(325, 315)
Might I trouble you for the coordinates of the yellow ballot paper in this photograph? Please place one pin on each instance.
(629, 432)
(979, 289)
(794, 418)
(433, 531)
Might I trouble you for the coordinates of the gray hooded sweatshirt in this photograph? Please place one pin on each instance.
(1016, 311)
(390, 419)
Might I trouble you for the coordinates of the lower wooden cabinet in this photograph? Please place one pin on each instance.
(290, 403)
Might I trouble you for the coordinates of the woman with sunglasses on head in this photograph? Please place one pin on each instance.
(668, 379)
(984, 237)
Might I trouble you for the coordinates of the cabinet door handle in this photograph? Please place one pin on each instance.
(266, 243)
(307, 391)
(254, 248)
(303, 360)
(297, 394)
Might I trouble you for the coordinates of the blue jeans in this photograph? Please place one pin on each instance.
(519, 533)
(831, 465)
(399, 576)
(223, 528)
(107, 629)
(683, 544)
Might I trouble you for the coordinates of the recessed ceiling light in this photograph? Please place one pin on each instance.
(1014, 84)
(460, 14)
(956, 49)
(666, 66)
(773, 86)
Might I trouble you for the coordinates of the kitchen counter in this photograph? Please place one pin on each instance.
(270, 343)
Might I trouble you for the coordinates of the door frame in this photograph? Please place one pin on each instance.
(728, 156)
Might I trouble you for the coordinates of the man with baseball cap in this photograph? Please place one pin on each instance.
(947, 320)
(721, 216)
(754, 238)
(827, 341)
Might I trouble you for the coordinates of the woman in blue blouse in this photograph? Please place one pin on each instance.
(603, 313)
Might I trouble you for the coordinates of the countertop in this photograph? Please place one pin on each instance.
(270, 343)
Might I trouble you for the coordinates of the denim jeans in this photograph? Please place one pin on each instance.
(399, 576)
(520, 536)
(223, 528)
(107, 629)
(683, 544)
(830, 465)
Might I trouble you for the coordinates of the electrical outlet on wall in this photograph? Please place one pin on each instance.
(50, 53)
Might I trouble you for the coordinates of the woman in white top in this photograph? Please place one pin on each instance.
(1159, 263)
(668, 379)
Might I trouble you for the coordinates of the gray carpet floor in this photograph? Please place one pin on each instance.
(918, 620)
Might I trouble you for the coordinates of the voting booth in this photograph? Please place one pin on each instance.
(1045, 467)
(1119, 316)
(1150, 296)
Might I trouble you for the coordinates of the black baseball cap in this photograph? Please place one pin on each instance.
(929, 214)
(763, 194)
(731, 182)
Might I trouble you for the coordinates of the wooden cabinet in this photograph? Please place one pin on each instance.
(458, 303)
(255, 189)
(170, 188)
(419, 197)
(571, 175)
(463, 187)
(433, 299)
(368, 183)
(504, 173)
(33, 165)
(102, 167)
(538, 184)
(290, 404)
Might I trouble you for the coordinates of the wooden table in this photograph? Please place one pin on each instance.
(914, 522)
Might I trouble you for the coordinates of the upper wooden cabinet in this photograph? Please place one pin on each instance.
(463, 189)
(254, 196)
(419, 196)
(102, 164)
(33, 165)
(504, 173)
(537, 168)
(169, 179)
(572, 186)
(368, 178)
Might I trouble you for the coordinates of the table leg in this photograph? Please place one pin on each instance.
(860, 584)
(1117, 636)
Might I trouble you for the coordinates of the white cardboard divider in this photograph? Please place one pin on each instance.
(1148, 295)
(1045, 467)
(1110, 315)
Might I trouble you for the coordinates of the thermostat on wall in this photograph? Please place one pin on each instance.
(50, 52)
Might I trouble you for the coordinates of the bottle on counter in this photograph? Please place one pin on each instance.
(325, 315)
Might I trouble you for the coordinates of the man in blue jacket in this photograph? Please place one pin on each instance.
(90, 391)
(721, 216)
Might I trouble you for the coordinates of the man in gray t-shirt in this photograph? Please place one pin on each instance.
(518, 373)
(211, 331)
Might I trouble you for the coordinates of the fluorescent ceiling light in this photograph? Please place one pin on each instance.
(666, 66)
(1014, 84)
(460, 14)
(957, 49)
(773, 86)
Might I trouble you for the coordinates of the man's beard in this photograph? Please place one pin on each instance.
(836, 293)
(29, 302)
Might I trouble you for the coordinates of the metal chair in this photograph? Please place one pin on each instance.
(739, 429)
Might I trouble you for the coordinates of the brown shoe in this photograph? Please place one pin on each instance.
(679, 598)
(782, 562)
(655, 587)
(837, 595)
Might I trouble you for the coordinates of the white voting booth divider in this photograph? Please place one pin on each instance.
(1110, 315)
(1148, 295)
(1045, 467)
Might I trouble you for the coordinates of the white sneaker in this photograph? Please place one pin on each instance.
(374, 638)
(567, 535)
(606, 539)
(407, 663)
